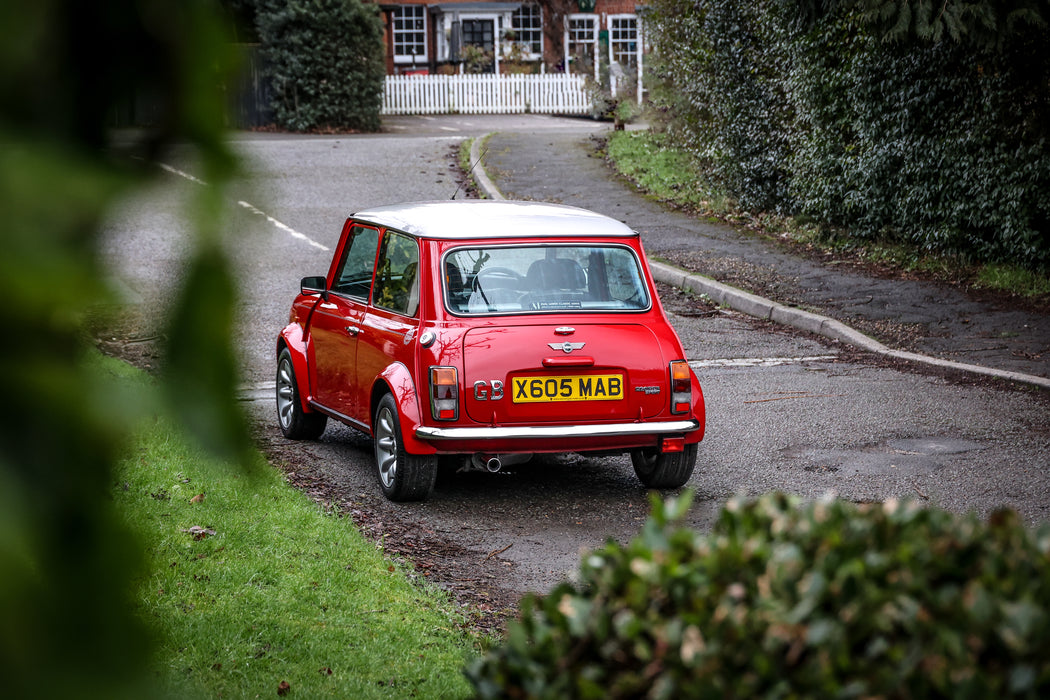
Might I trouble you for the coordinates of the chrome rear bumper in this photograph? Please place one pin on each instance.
(536, 432)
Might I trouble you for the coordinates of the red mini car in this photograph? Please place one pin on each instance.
(487, 331)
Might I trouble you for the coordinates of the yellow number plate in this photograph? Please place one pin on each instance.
(593, 387)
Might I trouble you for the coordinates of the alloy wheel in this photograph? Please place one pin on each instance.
(386, 446)
(285, 393)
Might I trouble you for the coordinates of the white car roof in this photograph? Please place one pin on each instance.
(485, 218)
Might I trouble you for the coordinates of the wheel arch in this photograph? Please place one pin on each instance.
(699, 410)
(291, 339)
(397, 381)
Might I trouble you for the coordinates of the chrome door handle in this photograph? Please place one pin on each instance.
(352, 331)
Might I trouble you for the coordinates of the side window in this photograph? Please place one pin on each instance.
(355, 274)
(397, 284)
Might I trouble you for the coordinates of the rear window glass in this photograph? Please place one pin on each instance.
(536, 279)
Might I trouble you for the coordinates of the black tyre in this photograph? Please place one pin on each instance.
(667, 470)
(295, 423)
(402, 476)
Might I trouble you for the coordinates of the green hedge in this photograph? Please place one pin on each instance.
(785, 599)
(930, 126)
(325, 63)
(730, 108)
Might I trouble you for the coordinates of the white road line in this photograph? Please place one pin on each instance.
(262, 391)
(758, 361)
(180, 173)
(284, 227)
(255, 210)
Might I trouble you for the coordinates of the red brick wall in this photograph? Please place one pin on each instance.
(615, 7)
(553, 33)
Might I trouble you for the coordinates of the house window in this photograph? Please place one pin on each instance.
(480, 33)
(528, 29)
(623, 39)
(582, 45)
(409, 33)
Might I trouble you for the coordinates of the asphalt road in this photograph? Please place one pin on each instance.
(785, 411)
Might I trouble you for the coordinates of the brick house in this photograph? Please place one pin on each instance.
(513, 36)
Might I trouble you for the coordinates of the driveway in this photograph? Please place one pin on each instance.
(786, 411)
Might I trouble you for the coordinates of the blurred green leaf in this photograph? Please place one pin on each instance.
(201, 371)
(66, 69)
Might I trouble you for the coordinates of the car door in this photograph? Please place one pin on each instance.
(337, 322)
(392, 318)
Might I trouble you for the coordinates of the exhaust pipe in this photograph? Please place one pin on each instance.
(486, 462)
(482, 461)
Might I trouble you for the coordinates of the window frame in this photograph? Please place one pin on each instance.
(348, 249)
(532, 48)
(397, 42)
(594, 41)
(635, 29)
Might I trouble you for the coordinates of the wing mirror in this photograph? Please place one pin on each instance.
(314, 285)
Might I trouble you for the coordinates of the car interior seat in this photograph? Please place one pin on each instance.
(556, 274)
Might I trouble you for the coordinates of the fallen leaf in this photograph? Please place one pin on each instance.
(198, 532)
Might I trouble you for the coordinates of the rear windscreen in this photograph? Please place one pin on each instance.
(535, 279)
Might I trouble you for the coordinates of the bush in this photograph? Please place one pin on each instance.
(785, 599)
(923, 122)
(943, 145)
(721, 59)
(324, 59)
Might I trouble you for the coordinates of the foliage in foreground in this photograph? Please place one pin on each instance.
(250, 588)
(66, 67)
(786, 599)
(325, 62)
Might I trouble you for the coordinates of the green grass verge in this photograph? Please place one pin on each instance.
(1018, 281)
(467, 165)
(274, 590)
(464, 155)
(652, 162)
(670, 174)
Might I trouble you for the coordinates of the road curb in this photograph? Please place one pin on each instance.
(760, 307)
(487, 187)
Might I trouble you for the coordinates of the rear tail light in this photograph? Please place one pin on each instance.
(681, 387)
(444, 393)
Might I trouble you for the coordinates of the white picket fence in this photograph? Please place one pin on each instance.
(551, 93)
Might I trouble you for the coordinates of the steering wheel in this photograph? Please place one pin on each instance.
(496, 278)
